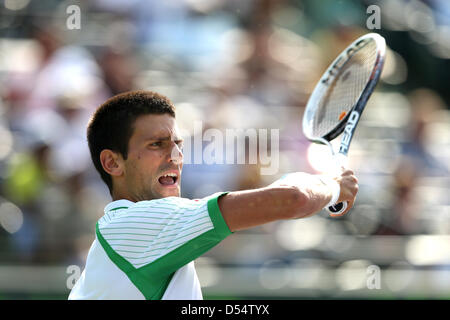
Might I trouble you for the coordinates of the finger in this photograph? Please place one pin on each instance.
(356, 191)
(349, 206)
(348, 172)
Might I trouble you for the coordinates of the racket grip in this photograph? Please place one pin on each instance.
(337, 209)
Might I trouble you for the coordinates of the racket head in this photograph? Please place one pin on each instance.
(345, 86)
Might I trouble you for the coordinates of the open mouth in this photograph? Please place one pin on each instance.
(169, 179)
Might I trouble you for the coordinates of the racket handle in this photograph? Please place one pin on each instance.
(337, 209)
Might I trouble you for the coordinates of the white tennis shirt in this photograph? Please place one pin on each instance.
(146, 249)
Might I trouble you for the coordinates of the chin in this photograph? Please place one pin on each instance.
(170, 193)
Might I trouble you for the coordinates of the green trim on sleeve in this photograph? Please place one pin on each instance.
(217, 218)
(153, 279)
(194, 248)
(118, 208)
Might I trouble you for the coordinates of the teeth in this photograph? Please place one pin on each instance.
(174, 175)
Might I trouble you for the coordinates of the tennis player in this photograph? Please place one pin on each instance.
(148, 238)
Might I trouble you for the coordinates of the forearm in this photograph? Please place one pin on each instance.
(250, 208)
(318, 190)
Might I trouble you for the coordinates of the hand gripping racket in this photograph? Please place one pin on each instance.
(339, 98)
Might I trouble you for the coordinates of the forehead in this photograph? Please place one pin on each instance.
(155, 125)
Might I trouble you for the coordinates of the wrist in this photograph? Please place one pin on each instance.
(335, 189)
(302, 180)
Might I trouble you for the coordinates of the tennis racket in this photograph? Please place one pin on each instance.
(339, 98)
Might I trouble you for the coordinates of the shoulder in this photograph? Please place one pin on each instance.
(173, 203)
(159, 211)
(178, 202)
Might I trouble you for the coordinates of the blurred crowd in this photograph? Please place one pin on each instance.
(229, 64)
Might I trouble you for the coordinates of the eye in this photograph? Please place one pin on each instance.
(155, 144)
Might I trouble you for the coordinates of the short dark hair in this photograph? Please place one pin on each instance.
(112, 124)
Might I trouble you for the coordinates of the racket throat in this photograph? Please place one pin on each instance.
(348, 132)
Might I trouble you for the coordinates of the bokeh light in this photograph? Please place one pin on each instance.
(11, 217)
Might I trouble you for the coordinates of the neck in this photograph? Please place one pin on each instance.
(118, 195)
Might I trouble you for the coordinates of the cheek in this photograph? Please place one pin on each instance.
(148, 163)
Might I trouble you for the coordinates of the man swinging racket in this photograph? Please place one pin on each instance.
(148, 238)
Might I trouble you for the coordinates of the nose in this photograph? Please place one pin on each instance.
(176, 154)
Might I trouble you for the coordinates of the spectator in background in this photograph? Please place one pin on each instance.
(424, 104)
(49, 107)
(62, 70)
(57, 97)
(119, 70)
(415, 163)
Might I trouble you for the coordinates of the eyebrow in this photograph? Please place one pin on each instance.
(163, 138)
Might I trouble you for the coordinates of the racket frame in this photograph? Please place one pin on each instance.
(349, 123)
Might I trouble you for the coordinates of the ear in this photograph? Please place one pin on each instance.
(111, 162)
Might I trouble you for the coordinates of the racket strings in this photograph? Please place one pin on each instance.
(339, 97)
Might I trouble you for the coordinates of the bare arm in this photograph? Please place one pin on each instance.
(250, 208)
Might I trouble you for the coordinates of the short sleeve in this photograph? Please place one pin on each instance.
(164, 233)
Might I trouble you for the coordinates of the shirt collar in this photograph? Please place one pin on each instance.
(118, 204)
